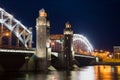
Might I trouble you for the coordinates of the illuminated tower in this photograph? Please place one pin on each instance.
(68, 40)
(42, 39)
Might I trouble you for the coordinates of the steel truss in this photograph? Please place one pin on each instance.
(15, 27)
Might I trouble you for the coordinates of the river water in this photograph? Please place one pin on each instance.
(84, 73)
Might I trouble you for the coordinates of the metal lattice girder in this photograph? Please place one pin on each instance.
(16, 27)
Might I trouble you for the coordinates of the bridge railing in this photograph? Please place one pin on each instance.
(17, 51)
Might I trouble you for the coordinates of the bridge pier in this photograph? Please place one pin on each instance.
(41, 64)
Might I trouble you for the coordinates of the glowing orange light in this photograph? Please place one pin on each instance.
(7, 34)
(43, 13)
(52, 43)
(68, 25)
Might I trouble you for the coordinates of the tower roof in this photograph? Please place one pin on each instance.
(68, 25)
(42, 13)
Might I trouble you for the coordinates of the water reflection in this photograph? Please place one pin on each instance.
(84, 73)
(107, 72)
(103, 72)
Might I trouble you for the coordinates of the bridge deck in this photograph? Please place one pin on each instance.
(32, 51)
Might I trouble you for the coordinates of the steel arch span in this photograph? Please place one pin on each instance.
(12, 30)
(81, 44)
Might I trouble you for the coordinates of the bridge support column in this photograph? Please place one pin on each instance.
(30, 37)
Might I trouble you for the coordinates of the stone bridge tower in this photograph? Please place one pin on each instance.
(42, 40)
(68, 40)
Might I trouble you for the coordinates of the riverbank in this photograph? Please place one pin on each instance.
(108, 61)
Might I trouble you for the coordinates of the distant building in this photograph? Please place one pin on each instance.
(116, 51)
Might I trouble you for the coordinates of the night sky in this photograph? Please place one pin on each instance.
(98, 20)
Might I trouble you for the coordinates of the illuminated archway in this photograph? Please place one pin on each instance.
(81, 44)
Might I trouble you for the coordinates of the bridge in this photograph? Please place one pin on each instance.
(81, 45)
(16, 44)
(82, 49)
(13, 33)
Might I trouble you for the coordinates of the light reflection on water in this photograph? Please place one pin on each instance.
(84, 73)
